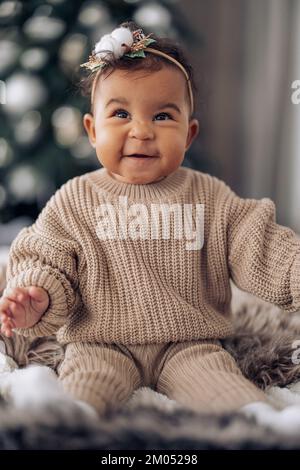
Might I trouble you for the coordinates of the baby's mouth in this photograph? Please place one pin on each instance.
(139, 155)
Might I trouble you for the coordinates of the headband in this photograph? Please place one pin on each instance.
(123, 42)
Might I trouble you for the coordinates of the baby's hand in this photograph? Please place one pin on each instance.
(22, 307)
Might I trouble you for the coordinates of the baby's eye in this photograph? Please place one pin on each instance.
(121, 112)
(164, 115)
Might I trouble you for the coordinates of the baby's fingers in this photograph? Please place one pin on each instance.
(4, 307)
(7, 325)
(8, 322)
(15, 308)
(10, 310)
(17, 294)
(7, 330)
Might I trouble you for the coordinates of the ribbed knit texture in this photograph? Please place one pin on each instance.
(101, 376)
(204, 377)
(136, 291)
(199, 375)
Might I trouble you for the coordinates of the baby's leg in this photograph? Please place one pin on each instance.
(98, 374)
(204, 377)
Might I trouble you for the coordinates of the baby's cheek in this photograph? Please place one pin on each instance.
(107, 144)
(175, 146)
(110, 138)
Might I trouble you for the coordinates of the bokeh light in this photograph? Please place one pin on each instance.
(153, 16)
(9, 52)
(34, 58)
(6, 153)
(93, 14)
(43, 28)
(24, 92)
(24, 183)
(9, 9)
(27, 129)
(67, 126)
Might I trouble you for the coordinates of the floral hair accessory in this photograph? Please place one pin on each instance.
(120, 42)
(124, 42)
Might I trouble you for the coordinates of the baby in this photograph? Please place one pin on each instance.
(112, 265)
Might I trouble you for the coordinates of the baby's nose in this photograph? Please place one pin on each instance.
(141, 130)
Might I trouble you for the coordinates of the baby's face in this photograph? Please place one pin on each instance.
(141, 113)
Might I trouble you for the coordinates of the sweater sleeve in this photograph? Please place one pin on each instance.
(263, 256)
(45, 255)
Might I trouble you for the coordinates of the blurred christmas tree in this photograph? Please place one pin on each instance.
(42, 141)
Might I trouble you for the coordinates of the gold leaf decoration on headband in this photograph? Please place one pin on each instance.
(94, 63)
(135, 50)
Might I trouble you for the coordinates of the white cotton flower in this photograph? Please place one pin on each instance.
(107, 44)
(123, 35)
(113, 43)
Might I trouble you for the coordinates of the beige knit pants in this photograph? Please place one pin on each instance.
(199, 375)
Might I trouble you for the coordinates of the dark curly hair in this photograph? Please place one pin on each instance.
(150, 63)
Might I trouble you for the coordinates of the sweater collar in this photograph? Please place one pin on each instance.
(171, 185)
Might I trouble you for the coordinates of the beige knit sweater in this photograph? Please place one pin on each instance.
(113, 279)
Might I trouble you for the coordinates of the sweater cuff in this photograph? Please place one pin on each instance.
(295, 281)
(59, 301)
